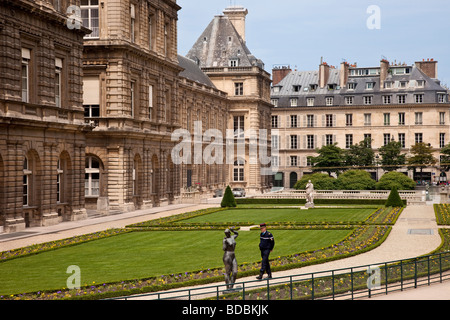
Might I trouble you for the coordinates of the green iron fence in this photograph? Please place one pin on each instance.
(346, 283)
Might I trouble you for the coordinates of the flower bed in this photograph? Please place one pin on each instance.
(442, 212)
(350, 282)
(365, 237)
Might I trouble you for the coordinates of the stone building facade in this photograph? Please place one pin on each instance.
(91, 93)
(221, 52)
(401, 102)
(42, 129)
(131, 99)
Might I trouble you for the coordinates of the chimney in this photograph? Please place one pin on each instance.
(429, 67)
(279, 73)
(343, 74)
(324, 74)
(237, 15)
(384, 69)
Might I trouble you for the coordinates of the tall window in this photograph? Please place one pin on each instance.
(418, 118)
(132, 22)
(386, 138)
(238, 127)
(402, 139)
(294, 142)
(150, 102)
(26, 57)
(329, 120)
(367, 119)
(238, 169)
(58, 71)
(132, 97)
(401, 118)
(348, 140)
(441, 118)
(310, 141)
(441, 140)
(349, 120)
(418, 137)
(310, 102)
(150, 31)
(274, 121)
(90, 16)
(27, 177)
(238, 88)
(387, 119)
(310, 120)
(91, 99)
(293, 121)
(92, 177)
(59, 181)
(293, 161)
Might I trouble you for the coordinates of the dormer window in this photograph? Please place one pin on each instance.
(313, 87)
(233, 63)
(370, 85)
(388, 85)
(351, 86)
(420, 83)
(297, 88)
(332, 86)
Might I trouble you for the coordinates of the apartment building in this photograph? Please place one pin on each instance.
(392, 101)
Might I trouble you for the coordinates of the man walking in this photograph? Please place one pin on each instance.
(266, 245)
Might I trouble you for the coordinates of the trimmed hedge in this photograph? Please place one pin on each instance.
(316, 201)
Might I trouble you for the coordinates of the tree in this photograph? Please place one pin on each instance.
(394, 199)
(355, 180)
(361, 154)
(228, 200)
(395, 179)
(321, 181)
(391, 156)
(422, 156)
(330, 159)
(445, 158)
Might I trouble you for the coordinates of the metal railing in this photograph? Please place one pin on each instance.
(347, 283)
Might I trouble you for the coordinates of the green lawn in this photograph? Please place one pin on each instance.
(257, 216)
(139, 255)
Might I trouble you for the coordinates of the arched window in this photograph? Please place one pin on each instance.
(27, 182)
(92, 177)
(238, 170)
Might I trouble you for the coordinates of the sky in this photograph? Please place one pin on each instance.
(299, 32)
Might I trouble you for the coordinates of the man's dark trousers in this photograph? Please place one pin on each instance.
(265, 265)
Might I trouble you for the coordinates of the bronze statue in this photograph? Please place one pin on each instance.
(229, 258)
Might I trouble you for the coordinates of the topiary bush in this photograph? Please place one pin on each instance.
(394, 199)
(395, 179)
(228, 200)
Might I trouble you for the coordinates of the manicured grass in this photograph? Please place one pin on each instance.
(256, 216)
(140, 255)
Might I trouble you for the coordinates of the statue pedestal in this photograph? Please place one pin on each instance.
(309, 206)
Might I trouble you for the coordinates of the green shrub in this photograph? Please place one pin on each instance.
(228, 200)
(321, 181)
(355, 180)
(395, 179)
(394, 199)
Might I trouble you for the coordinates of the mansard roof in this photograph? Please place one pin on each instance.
(219, 44)
(305, 84)
(193, 72)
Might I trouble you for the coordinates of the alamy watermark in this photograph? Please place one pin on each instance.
(374, 20)
(374, 280)
(210, 147)
(74, 281)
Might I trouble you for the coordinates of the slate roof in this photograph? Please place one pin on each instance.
(219, 43)
(193, 72)
(306, 78)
